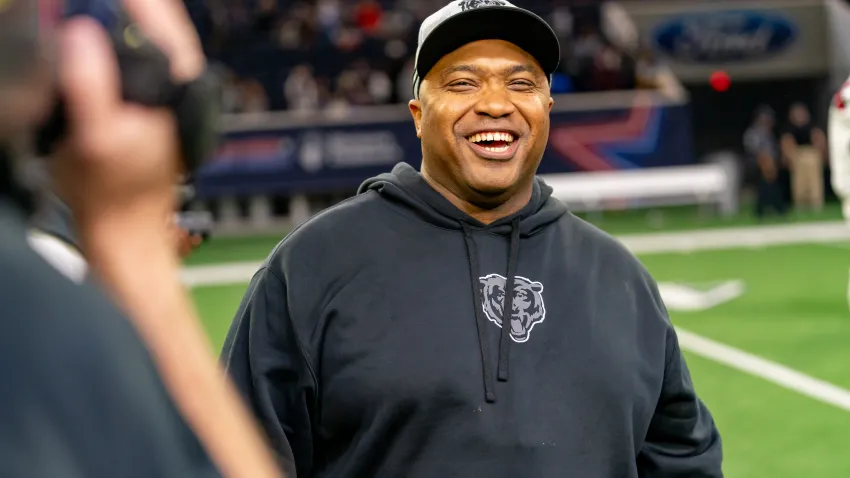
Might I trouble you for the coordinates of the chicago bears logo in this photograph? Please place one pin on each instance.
(528, 308)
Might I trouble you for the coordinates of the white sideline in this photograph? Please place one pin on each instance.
(653, 243)
(824, 232)
(771, 371)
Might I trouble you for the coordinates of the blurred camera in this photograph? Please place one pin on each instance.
(26, 43)
(26, 34)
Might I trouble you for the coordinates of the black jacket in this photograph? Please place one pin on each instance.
(81, 396)
(371, 344)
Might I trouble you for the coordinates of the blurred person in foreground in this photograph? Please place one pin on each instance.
(87, 390)
(763, 159)
(804, 146)
(459, 321)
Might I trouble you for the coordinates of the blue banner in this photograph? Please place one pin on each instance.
(332, 157)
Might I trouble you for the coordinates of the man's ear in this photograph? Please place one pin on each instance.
(551, 102)
(415, 107)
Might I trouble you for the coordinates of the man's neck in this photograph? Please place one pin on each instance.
(485, 215)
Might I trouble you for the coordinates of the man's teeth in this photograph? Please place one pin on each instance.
(494, 136)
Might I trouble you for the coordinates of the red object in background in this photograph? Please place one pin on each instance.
(838, 99)
(368, 15)
(719, 81)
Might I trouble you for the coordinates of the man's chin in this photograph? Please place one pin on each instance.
(489, 190)
(489, 195)
(493, 183)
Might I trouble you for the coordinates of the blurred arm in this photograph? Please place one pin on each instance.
(789, 147)
(819, 141)
(767, 166)
(754, 145)
(147, 283)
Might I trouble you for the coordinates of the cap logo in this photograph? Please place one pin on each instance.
(472, 4)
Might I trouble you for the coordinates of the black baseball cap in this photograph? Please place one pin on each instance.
(465, 21)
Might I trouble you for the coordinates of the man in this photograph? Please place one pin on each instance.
(369, 343)
(87, 390)
(804, 145)
(763, 153)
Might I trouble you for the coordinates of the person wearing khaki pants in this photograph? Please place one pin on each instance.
(803, 145)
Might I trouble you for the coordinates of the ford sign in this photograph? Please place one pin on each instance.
(724, 36)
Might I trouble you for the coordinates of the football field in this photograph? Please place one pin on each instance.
(763, 316)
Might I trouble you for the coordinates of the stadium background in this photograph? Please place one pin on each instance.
(315, 93)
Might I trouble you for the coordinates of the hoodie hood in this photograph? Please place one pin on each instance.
(406, 187)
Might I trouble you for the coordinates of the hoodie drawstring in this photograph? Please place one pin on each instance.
(480, 320)
(507, 310)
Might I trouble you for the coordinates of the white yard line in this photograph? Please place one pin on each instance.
(771, 371)
(231, 273)
(737, 237)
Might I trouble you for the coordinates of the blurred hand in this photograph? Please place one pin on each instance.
(119, 164)
(117, 171)
(187, 242)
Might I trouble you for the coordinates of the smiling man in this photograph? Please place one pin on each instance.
(459, 321)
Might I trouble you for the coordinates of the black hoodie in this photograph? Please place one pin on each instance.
(371, 344)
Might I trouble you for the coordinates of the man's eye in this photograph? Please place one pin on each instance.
(461, 83)
(522, 84)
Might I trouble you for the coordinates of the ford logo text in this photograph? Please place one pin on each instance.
(726, 36)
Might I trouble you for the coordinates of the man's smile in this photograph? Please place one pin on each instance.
(496, 145)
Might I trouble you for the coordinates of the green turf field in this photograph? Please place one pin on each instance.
(794, 312)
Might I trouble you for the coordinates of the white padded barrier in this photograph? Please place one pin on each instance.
(712, 183)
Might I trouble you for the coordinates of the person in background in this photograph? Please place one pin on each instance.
(647, 69)
(763, 160)
(301, 89)
(804, 147)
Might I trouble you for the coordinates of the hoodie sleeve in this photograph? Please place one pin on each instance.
(263, 356)
(682, 441)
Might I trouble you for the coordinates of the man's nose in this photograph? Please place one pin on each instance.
(495, 103)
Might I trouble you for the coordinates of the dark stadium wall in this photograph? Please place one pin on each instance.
(720, 118)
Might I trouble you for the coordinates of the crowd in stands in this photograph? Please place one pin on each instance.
(307, 55)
